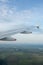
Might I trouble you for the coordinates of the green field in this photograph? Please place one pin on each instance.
(21, 55)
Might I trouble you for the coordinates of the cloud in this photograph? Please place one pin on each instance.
(11, 14)
(3, 0)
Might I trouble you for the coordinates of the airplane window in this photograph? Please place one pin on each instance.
(21, 32)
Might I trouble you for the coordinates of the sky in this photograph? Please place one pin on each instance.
(29, 12)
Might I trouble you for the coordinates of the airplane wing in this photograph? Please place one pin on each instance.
(6, 36)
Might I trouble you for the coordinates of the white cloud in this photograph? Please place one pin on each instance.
(11, 14)
(4, 1)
